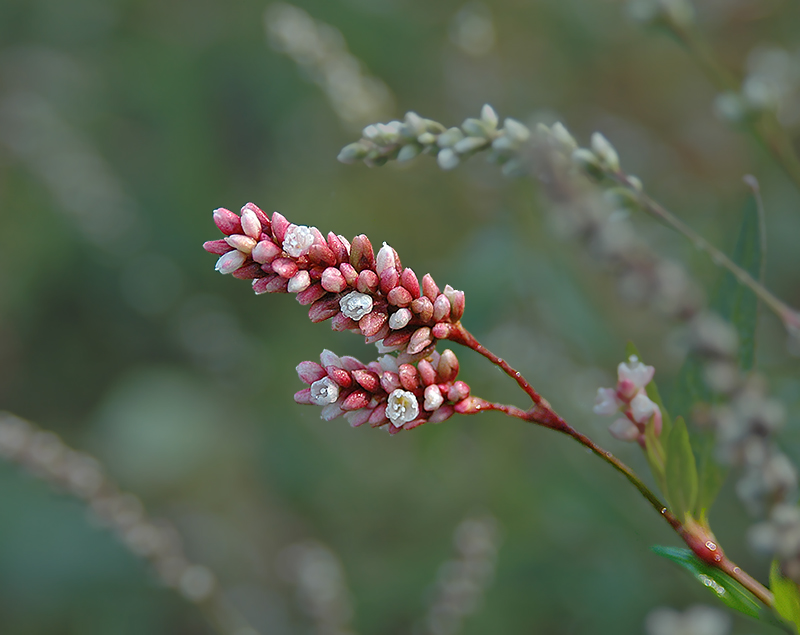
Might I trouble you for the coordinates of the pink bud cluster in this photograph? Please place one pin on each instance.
(346, 282)
(384, 392)
(630, 398)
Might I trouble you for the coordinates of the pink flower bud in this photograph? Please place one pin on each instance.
(469, 406)
(337, 247)
(309, 372)
(378, 416)
(299, 282)
(390, 381)
(642, 408)
(433, 398)
(457, 305)
(386, 259)
(423, 307)
(349, 272)
(410, 282)
(311, 295)
(448, 366)
(303, 397)
(442, 330)
(441, 308)
(368, 380)
(251, 226)
(377, 337)
(400, 319)
(361, 254)
(606, 403)
(230, 262)
(260, 284)
(409, 377)
(266, 251)
(441, 414)
(217, 247)
(396, 338)
(368, 281)
(351, 363)
(389, 280)
(331, 411)
(321, 255)
(358, 417)
(339, 375)
(276, 285)
(279, 226)
(333, 280)
(341, 322)
(248, 272)
(227, 222)
(356, 400)
(323, 309)
(429, 287)
(372, 323)
(458, 391)
(634, 371)
(427, 372)
(329, 358)
(266, 226)
(284, 267)
(624, 430)
(399, 296)
(419, 340)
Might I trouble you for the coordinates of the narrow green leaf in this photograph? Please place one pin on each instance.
(735, 302)
(733, 594)
(787, 596)
(654, 451)
(710, 475)
(681, 470)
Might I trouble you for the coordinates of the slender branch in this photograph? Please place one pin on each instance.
(787, 315)
(697, 538)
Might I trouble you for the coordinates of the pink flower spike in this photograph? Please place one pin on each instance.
(227, 222)
(309, 372)
(230, 262)
(634, 371)
(624, 430)
(606, 403)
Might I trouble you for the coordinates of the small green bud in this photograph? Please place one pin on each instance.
(414, 125)
(605, 152)
(447, 159)
(450, 137)
(470, 144)
(589, 163)
(475, 128)
(427, 138)
(408, 152)
(353, 153)
(562, 135)
(489, 116)
(516, 131)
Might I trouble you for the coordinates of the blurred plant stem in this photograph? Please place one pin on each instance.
(764, 128)
(787, 315)
(696, 536)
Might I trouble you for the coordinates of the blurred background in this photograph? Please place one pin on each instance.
(124, 123)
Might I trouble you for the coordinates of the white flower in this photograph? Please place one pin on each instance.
(635, 372)
(402, 407)
(642, 408)
(230, 262)
(298, 240)
(324, 391)
(606, 403)
(299, 282)
(399, 319)
(356, 305)
(624, 430)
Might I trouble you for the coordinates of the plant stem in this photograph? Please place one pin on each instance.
(789, 317)
(541, 413)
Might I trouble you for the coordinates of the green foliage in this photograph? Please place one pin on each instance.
(681, 471)
(787, 596)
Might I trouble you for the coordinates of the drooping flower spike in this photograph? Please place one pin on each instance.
(384, 392)
(342, 281)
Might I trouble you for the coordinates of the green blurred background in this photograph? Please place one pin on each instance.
(124, 123)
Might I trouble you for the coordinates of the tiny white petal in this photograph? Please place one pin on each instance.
(402, 407)
(324, 391)
(230, 262)
(606, 403)
(356, 305)
(624, 430)
(298, 240)
(636, 372)
(642, 408)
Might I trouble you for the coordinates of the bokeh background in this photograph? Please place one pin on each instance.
(124, 123)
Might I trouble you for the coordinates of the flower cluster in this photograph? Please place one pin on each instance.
(630, 398)
(404, 140)
(342, 281)
(384, 392)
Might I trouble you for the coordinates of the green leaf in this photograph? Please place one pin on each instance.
(681, 471)
(732, 594)
(710, 476)
(787, 596)
(735, 302)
